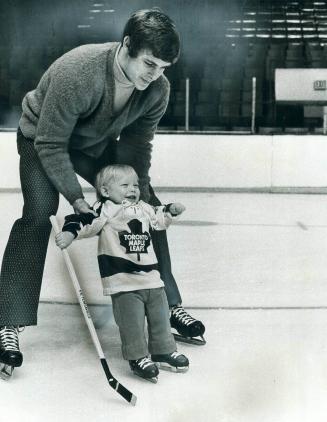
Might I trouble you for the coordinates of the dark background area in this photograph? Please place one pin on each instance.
(225, 44)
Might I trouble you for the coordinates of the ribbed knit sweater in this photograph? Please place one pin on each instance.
(72, 109)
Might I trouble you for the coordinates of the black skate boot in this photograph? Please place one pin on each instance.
(10, 355)
(188, 328)
(145, 368)
(174, 362)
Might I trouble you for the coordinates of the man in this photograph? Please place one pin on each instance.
(85, 101)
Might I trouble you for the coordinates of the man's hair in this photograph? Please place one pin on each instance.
(152, 30)
(111, 174)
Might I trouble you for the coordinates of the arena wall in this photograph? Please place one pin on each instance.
(180, 162)
(244, 162)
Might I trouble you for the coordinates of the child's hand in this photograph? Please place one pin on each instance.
(64, 239)
(176, 208)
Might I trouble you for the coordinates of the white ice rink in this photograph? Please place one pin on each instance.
(253, 268)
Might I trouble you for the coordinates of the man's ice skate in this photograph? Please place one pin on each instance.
(188, 328)
(10, 355)
(145, 368)
(174, 362)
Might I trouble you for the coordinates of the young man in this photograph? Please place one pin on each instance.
(85, 101)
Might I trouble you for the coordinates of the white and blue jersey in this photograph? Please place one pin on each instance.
(126, 257)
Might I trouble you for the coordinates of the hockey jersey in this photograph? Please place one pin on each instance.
(125, 253)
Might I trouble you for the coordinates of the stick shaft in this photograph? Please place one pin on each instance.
(79, 293)
(123, 391)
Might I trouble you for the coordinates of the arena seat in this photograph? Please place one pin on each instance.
(295, 56)
(206, 96)
(231, 84)
(206, 114)
(275, 58)
(251, 39)
(296, 130)
(313, 51)
(318, 63)
(246, 110)
(4, 78)
(178, 113)
(229, 114)
(229, 107)
(16, 92)
(247, 83)
(210, 84)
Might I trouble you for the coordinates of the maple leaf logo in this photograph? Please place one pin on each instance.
(135, 241)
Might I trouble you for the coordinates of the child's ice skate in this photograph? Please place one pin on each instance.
(145, 368)
(188, 328)
(10, 355)
(174, 362)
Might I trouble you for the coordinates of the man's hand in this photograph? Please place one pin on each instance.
(64, 239)
(82, 207)
(176, 208)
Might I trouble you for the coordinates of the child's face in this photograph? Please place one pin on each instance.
(125, 187)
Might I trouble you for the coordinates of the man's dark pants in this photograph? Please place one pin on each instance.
(24, 257)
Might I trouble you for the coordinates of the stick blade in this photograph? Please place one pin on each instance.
(123, 391)
(128, 395)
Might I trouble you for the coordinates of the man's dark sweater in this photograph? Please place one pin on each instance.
(72, 109)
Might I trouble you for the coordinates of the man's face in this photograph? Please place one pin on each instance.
(144, 69)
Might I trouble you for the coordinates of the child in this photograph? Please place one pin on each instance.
(129, 269)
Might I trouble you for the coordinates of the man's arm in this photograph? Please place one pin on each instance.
(63, 103)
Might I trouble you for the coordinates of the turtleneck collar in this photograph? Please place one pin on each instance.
(119, 74)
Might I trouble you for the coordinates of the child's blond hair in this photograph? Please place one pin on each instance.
(111, 174)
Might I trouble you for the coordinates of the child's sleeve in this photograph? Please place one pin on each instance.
(84, 225)
(160, 216)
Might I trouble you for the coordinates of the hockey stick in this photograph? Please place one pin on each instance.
(126, 394)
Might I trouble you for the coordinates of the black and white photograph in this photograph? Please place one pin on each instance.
(163, 206)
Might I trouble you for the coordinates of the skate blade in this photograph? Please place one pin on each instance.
(166, 367)
(154, 380)
(190, 340)
(6, 371)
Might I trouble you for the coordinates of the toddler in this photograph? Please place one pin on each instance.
(129, 268)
